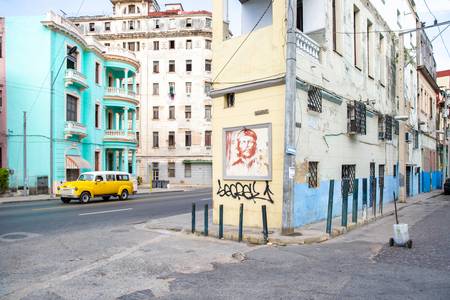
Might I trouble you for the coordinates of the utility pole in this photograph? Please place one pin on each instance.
(52, 92)
(25, 180)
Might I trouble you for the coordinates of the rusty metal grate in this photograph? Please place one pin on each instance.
(315, 99)
(348, 174)
(356, 118)
(313, 181)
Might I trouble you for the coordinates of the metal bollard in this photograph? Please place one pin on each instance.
(330, 206)
(221, 221)
(206, 220)
(355, 201)
(344, 203)
(193, 218)
(264, 220)
(241, 221)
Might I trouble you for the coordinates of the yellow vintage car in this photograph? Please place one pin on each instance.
(98, 184)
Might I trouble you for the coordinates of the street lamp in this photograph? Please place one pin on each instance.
(399, 118)
(71, 51)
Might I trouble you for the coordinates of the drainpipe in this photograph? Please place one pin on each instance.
(289, 127)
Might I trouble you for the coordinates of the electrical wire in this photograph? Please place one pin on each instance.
(242, 43)
(439, 28)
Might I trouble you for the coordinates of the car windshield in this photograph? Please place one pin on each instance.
(86, 177)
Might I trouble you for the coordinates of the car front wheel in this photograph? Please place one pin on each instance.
(85, 197)
(123, 195)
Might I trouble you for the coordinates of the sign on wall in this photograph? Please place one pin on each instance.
(248, 152)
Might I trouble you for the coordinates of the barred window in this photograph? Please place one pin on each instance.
(171, 169)
(356, 118)
(348, 174)
(381, 128)
(388, 128)
(381, 175)
(314, 99)
(313, 174)
(416, 139)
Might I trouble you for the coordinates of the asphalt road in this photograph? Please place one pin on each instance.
(53, 215)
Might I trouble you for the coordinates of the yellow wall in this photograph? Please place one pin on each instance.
(261, 57)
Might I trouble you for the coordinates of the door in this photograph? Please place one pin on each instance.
(100, 187)
(408, 181)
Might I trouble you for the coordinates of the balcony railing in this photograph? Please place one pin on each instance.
(114, 134)
(74, 128)
(307, 45)
(116, 51)
(75, 77)
(121, 92)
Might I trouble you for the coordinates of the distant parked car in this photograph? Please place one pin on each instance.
(98, 184)
(447, 186)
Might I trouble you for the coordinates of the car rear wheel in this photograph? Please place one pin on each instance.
(65, 200)
(85, 197)
(123, 195)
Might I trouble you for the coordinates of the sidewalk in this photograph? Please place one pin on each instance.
(308, 234)
(142, 192)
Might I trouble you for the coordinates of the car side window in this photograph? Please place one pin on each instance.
(109, 177)
(98, 178)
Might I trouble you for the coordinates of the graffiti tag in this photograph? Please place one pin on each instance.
(244, 191)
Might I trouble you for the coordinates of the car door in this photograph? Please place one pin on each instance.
(111, 184)
(100, 186)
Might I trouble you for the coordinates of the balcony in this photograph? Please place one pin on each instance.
(73, 128)
(114, 135)
(122, 54)
(307, 45)
(121, 94)
(75, 78)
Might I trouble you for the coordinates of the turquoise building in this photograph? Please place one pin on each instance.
(76, 92)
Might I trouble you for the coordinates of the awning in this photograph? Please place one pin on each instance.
(76, 162)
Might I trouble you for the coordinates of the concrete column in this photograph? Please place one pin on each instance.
(125, 160)
(119, 167)
(134, 84)
(134, 162)
(114, 166)
(116, 121)
(117, 83)
(126, 81)
(125, 115)
(133, 121)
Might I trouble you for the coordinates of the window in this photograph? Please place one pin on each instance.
(188, 22)
(388, 127)
(171, 139)
(133, 46)
(131, 25)
(188, 88)
(187, 170)
(71, 108)
(91, 26)
(416, 139)
(155, 88)
(381, 175)
(188, 44)
(381, 127)
(208, 44)
(155, 139)
(97, 73)
(395, 171)
(171, 169)
(229, 100)
(171, 66)
(431, 108)
(356, 118)
(155, 45)
(187, 111)
(357, 59)
(208, 88)
(155, 66)
(171, 112)
(348, 174)
(315, 99)
(300, 15)
(137, 113)
(207, 65)
(399, 23)
(97, 160)
(208, 112)
(107, 44)
(208, 23)
(187, 139)
(107, 26)
(131, 9)
(171, 44)
(188, 65)
(172, 89)
(312, 171)
(97, 115)
(155, 171)
(157, 24)
(110, 177)
(382, 59)
(1, 46)
(72, 59)
(369, 45)
(155, 112)
(208, 138)
(333, 5)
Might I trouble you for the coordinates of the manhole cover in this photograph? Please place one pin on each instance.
(14, 236)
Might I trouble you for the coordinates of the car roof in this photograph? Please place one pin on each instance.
(105, 173)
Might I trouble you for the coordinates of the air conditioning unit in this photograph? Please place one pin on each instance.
(408, 137)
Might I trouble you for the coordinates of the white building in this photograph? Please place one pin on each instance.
(174, 50)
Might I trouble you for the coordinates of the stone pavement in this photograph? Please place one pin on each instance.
(308, 234)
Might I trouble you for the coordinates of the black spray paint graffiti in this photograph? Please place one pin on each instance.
(247, 191)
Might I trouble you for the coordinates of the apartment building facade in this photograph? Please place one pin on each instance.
(3, 104)
(173, 47)
(324, 109)
(75, 91)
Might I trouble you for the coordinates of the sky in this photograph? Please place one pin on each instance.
(439, 8)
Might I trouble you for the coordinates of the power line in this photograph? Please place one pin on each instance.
(432, 40)
(400, 31)
(246, 38)
(439, 28)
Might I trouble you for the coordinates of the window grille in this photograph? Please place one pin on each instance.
(314, 99)
(356, 118)
(313, 174)
(155, 139)
(155, 171)
(388, 128)
(381, 175)
(348, 173)
(381, 127)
